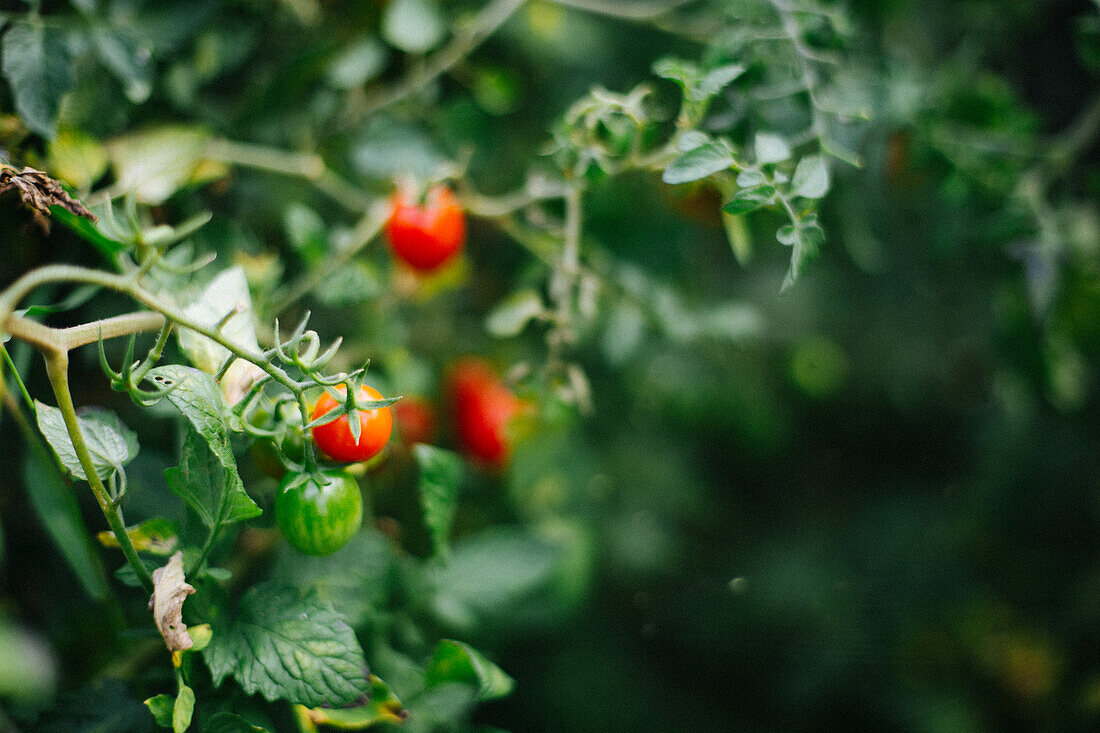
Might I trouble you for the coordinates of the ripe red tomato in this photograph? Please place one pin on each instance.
(483, 407)
(425, 236)
(319, 512)
(415, 420)
(335, 438)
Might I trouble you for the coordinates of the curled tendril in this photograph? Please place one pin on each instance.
(127, 380)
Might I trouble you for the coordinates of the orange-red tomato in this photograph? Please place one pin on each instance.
(335, 438)
(424, 236)
(483, 407)
(415, 420)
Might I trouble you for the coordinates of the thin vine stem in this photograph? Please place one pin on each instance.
(57, 369)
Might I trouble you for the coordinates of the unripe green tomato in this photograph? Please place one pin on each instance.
(319, 512)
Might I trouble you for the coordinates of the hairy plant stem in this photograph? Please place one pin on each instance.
(57, 369)
(126, 285)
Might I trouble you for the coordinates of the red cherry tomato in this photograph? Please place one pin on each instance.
(319, 512)
(415, 420)
(335, 438)
(425, 236)
(483, 407)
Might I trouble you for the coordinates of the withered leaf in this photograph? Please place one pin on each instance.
(39, 191)
(169, 592)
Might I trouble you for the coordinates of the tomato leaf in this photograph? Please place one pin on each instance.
(749, 199)
(453, 661)
(440, 480)
(36, 63)
(213, 491)
(811, 177)
(224, 722)
(207, 477)
(111, 444)
(286, 647)
(384, 707)
(357, 578)
(697, 163)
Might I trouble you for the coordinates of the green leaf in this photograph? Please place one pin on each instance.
(805, 238)
(161, 707)
(454, 661)
(306, 231)
(355, 283)
(750, 178)
(226, 293)
(224, 722)
(716, 80)
(698, 163)
(811, 177)
(490, 574)
(213, 490)
(36, 63)
(358, 578)
(156, 536)
(76, 157)
(358, 64)
(183, 710)
(207, 477)
(512, 315)
(154, 164)
(440, 480)
(749, 199)
(91, 232)
(414, 26)
(771, 148)
(384, 707)
(110, 443)
(127, 60)
(54, 502)
(692, 139)
(286, 647)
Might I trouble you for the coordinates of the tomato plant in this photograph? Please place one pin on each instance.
(797, 303)
(335, 438)
(426, 235)
(319, 513)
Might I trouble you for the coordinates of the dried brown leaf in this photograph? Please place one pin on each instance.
(169, 592)
(39, 191)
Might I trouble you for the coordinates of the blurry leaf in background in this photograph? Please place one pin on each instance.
(771, 148)
(28, 669)
(512, 314)
(413, 26)
(35, 60)
(128, 59)
(76, 157)
(357, 64)
(453, 661)
(153, 164)
(439, 484)
(698, 162)
(388, 149)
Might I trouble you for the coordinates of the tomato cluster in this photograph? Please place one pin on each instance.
(426, 235)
